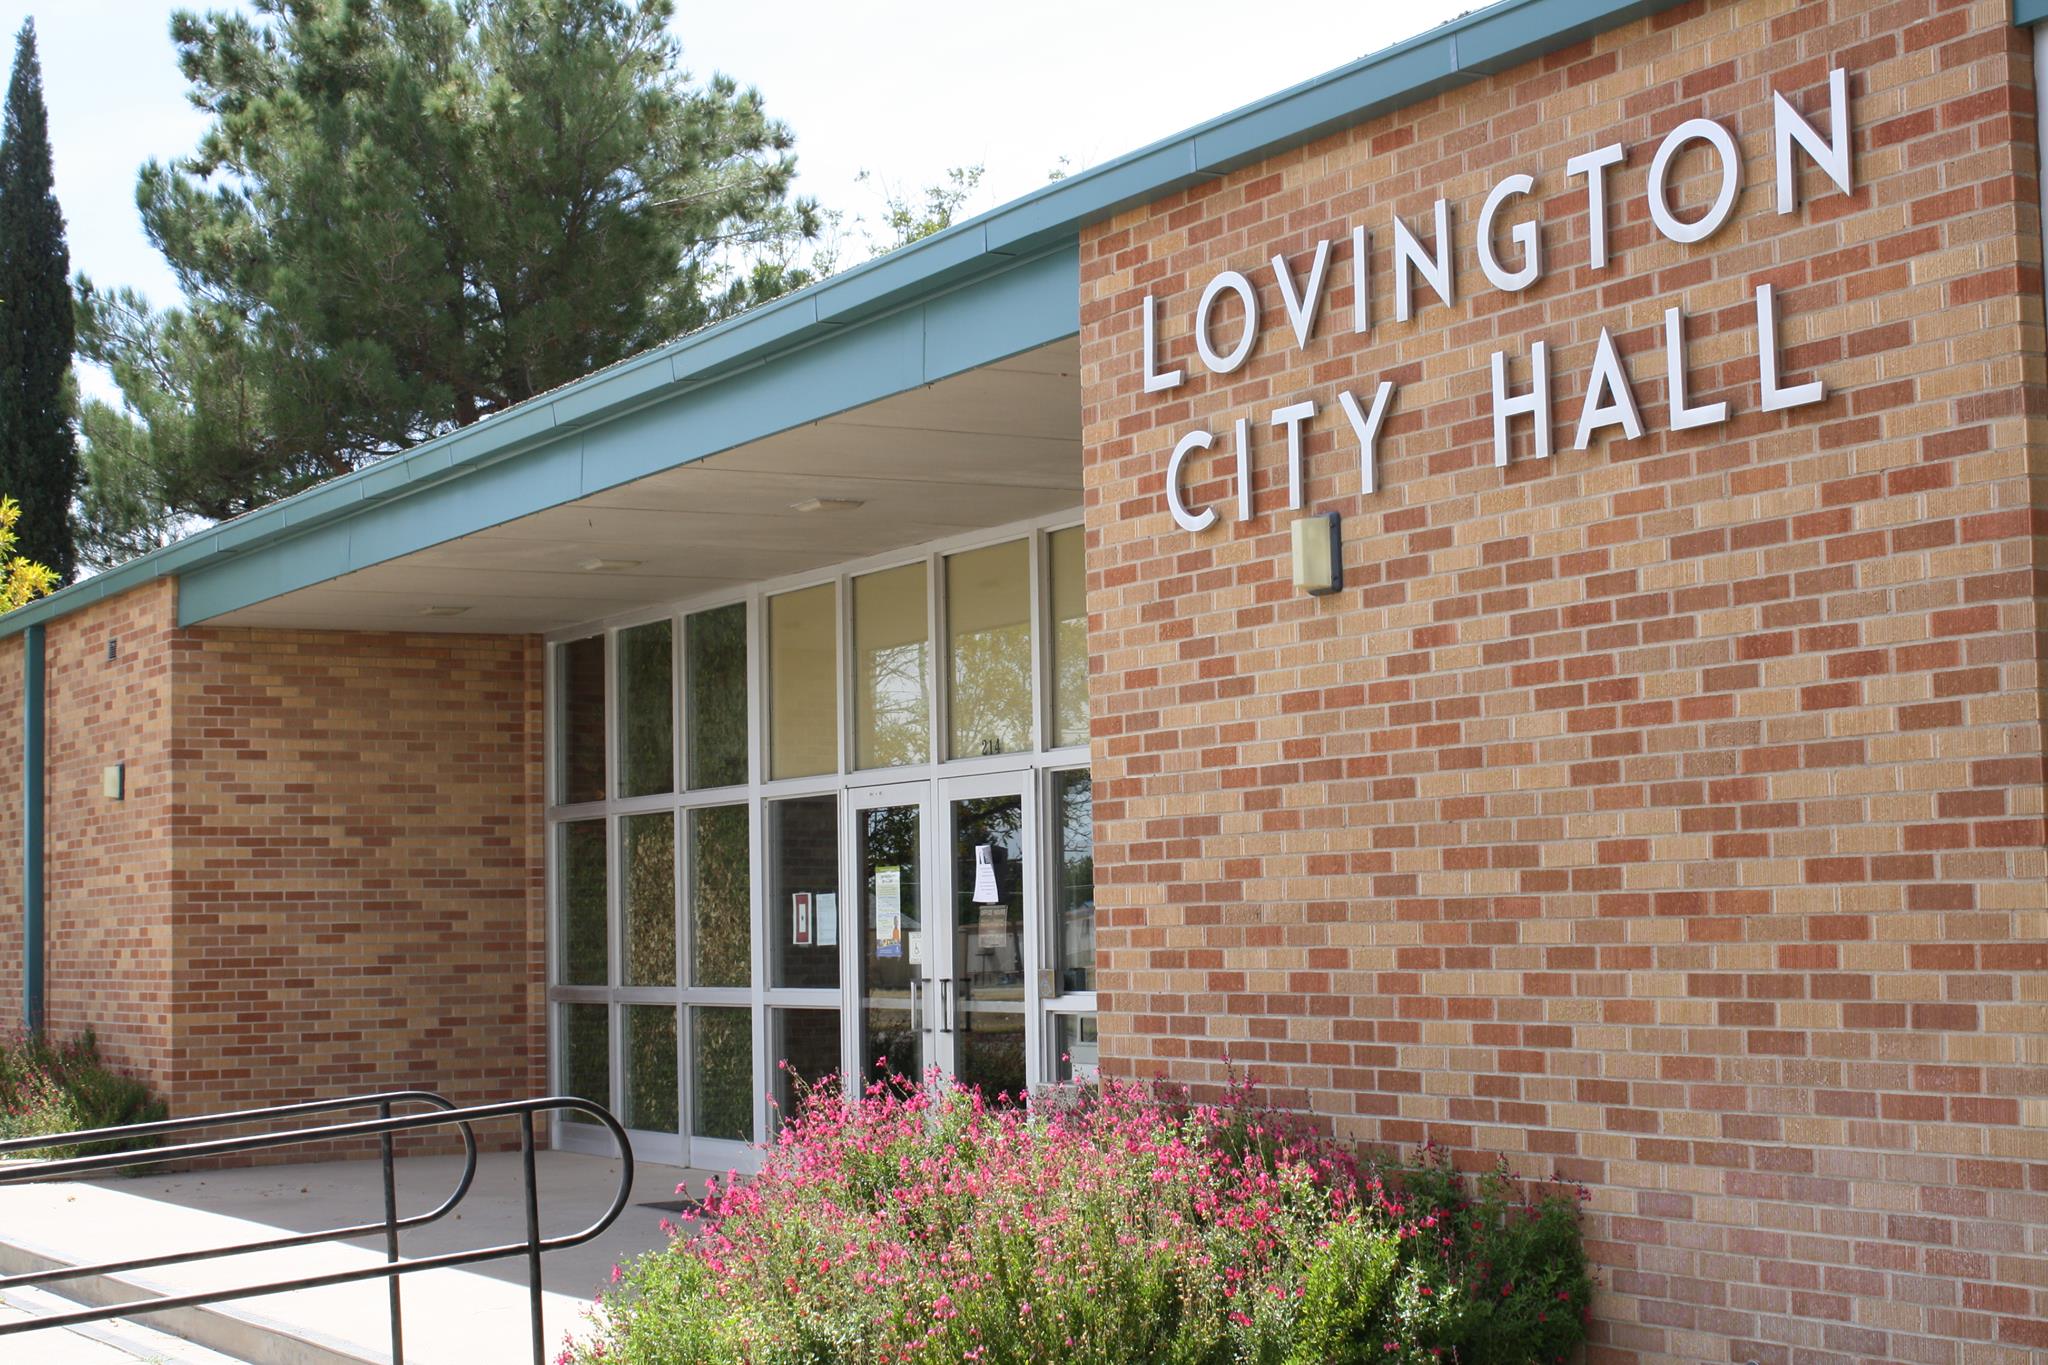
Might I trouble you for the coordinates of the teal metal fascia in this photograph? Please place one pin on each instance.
(1035, 303)
(33, 711)
(1048, 220)
(2029, 11)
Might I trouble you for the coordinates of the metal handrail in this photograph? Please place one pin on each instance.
(41, 1170)
(384, 1127)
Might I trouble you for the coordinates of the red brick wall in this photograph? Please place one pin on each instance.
(1667, 815)
(358, 870)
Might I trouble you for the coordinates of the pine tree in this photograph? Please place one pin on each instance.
(38, 450)
(407, 215)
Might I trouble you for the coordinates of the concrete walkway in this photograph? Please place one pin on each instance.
(452, 1317)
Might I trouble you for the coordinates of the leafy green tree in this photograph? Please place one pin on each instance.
(38, 447)
(408, 215)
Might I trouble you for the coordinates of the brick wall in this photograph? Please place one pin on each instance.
(11, 911)
(107, 868)
(358, 882)
(325, 876)
(1666, 815)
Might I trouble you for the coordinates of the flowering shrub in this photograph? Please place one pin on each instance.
(921, 1224)
(50, 1087)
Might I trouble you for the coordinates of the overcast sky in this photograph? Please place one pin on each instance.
(904, 90)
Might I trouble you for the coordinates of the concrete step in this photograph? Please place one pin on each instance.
(235, 1329)
(118, 1341)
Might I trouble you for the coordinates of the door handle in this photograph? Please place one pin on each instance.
(945, 1004)
(916, 1004)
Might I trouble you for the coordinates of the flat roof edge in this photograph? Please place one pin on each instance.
(1474, 45)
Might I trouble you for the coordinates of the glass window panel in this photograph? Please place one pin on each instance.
(988, 621)
(988, 946)
(586, 1057)
(722, 1073)
(579, 716)
(1075, 1050)
(891, 645)
(1073, 804)
(647, 865)
(580, 905)
(721, 937)
(803, 695)
(803, 1049)
(646, 709)
(715, 707)
(1067, 550)
(888, 854)
(803, 892)
(651, 1068)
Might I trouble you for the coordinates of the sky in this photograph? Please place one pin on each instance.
(902, 90)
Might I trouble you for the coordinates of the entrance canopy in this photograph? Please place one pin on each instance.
(996, 444)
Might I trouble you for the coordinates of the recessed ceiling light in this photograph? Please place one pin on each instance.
(442, 611)
(826, 505)
(608, 565)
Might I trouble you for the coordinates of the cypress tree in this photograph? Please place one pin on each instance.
(38, 450)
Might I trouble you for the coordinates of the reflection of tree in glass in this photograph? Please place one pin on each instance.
(722, 1070)
(1074, 797)
(994, 1060)
(889, 838)
(651, 1068)
(720, 895)
(581, 686)
(586, 1057)
(991, 972)
(583, 903)
(991, 699)
(648, 860)
(808, 1041)
(1070, 680)
(647, 738)
(715, 643)
(893, 696)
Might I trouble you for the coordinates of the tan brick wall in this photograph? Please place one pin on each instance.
(107, 869)
(11, 910)
(326, 875)
(358, 866)
(1666, 815)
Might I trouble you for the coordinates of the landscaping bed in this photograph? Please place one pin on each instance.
(919, 1223)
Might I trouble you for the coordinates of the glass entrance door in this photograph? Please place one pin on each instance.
(890, 946)
(988, 963)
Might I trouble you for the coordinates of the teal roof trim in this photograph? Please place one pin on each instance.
(991, 252)
(2029, 11)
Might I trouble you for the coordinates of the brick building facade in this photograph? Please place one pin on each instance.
(1665, 814)
(323, 875)
(1658, 801)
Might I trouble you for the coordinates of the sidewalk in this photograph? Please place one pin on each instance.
(452, 1317)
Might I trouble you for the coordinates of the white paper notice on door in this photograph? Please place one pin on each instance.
(827, 919)
(888, 912)
(985, 875)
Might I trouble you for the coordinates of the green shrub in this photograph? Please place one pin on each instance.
(920, 1224)
(53, 1087)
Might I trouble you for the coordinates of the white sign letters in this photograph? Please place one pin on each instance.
(1507, 240)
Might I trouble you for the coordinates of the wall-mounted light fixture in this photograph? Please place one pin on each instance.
(1318, 554)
